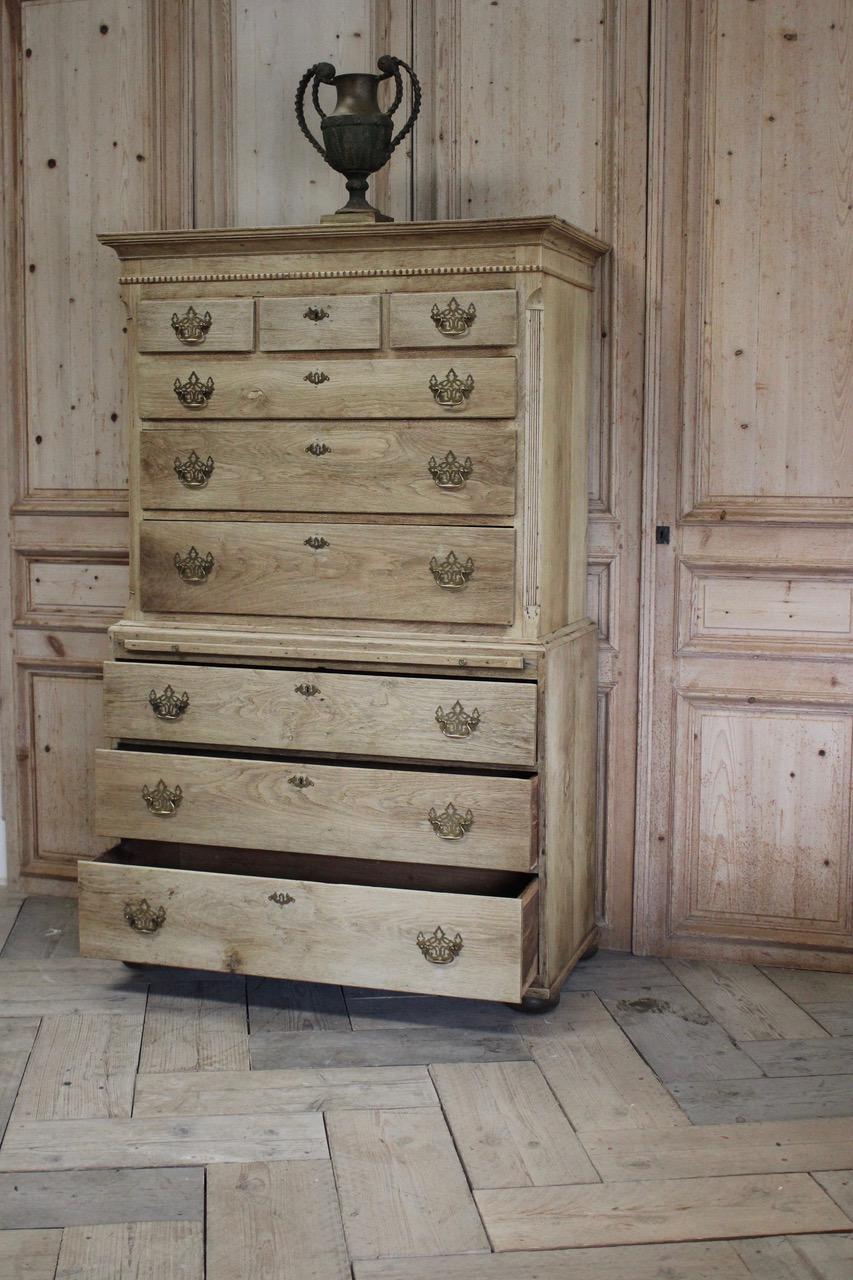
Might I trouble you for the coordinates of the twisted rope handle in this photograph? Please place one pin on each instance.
(323, 73)
(390, 66)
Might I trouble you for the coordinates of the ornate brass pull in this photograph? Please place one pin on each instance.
(161, 800)
(452, 391)
(193, 567)
(315, 313)
(194, 394)
(300, 780)
(316, 543)
(457, 722)
(316, 376)
(282, 899)
(317, 448)
(140, 915)
(451, 573)
(191, 328)
(450, 473)
(439, 947)
(307, 690)
(193, 473)
(168, 705)
(454, 320)
(450, 824)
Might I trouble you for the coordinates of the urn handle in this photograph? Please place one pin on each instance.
(321, 73)
(390, 66)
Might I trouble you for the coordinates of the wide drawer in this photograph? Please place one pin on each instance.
(475, 318)
(451, 721)
(455, 944)
(397, 815)
(268, 386)
(209, 324)
(409, 573)
(458, 468)
(343, 323)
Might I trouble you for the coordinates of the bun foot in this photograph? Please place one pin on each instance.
(537, 1004)
(137, 964)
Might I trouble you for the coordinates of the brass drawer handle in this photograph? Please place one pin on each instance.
(191, 328)
(457, 722)
(142, 917)
(451, 573)
(439, 947)
(300, 781)
(307, 690)
(315, 543)
(193, 567)
(168, 705)
(454, 320)
(450, 473)
(316, 377)
(452, 391)
(317, 448)
(315, 313)
(192, 472)
(282, 899)
(161, 800)
(450, 824)
(194, 394)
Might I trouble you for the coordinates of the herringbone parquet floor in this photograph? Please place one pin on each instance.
(670, 1121)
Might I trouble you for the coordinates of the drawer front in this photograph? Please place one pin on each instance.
(203, 324)
(463, 469)
(358, 934)
(267, 386)
(320, 324)
(450, 721)
(450, 819)
(474, 318)
(394, 572)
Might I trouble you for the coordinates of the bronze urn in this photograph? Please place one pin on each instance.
(357, 135)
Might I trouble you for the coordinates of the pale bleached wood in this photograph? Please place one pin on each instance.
(782, 1146)
(827, 997)
(29, 1255)
(780, 1098)
(149, 1143)
(805, 1257)
(232, 327)
(44, 927)
(385, 1047)
(133, 1251)
(10, 905)
(619, 973)
(350, 323)
(401, 1186)
(576, 1010)
(195, 1026)
(278, 1220)
(82, 1067)
(78, 1196)
(833, 1055)
(281, 1008)
(495, 322)
(745, 1002)
(29, 988)
(17, 1037)
(646, 1212)
(272, 1093)
(829, 1257)
(839, 1184)
(507, 1126)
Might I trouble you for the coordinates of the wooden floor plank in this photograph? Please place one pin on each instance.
(416, 1047)
(654, 1212)
(148, 1143)
(44, 928)
(783, 1146)
(826, 1257)
(680, 1039)
(17, 1037)
(780, 1098)
(717, 1260)
(196, 1026)
(29, 1255)
(274, 1220)
(839, 1185)
(10, 906)
(273, 1093)
(745, 1002)
(133, 1251)
(82, 1067)
(830, 1056)
(773, 1258)
(276, 1006)
(400, 1013)
(601, 1082)
(827, 997)
(618, 973)
(80, 1196)
(402, 1189)
(576, 1009)
(37, 988)
(507, 1126)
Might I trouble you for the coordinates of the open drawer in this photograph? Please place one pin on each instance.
(369, 926)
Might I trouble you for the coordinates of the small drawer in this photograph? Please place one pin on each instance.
(396, 815)
(480, 945)
(188, 324)
(344, 323)
(449, 721)
(474, 318)
(418, 573)
(464, 469)
(268, 386)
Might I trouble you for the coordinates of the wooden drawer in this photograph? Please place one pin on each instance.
(473, 318)
(459, 468)
(311, 930)
(327, 570)
(268, 386)
(449, 721)
(397, 815)
(345, 323)
(188, 325)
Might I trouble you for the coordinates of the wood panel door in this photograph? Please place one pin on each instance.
(744, 840)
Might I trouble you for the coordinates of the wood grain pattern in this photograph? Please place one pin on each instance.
(385, 1047)
(232, 325)
(133, 1251)
(495, 322)
(77, 1196)
(829, 1056)
(44, 927)
(82, 1067)
(280, 1008)
(31, 989)
(195, 1026)
(29, 1255)
(18, 1037)
(745, 1002)
(730, 1101)
(351, 322)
